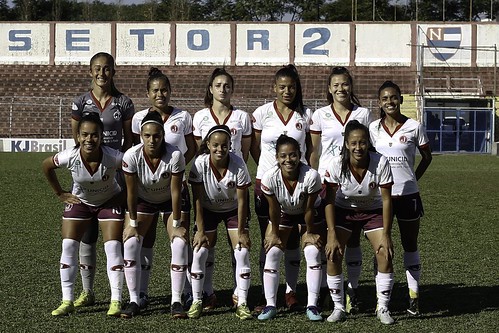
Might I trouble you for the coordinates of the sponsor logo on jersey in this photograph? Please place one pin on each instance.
(443, 42)
(205, 118)
(174, 128)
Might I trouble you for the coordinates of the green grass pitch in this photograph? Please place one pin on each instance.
(459, 244)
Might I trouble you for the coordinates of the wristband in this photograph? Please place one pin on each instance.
(134, 223)
(177, 223)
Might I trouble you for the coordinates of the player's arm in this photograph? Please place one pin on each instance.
(272, 236)
(48, 167)
(315, 139)
(308, 147)
(255, 149)
(74, 129)
(386, 239)
(245, 147)
(192, 148)
(127, 135)
(311, 237)
(425, 161)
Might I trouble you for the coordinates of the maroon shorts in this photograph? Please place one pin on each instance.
(212, 219)
(261, 203)
(148, 208)
(368, 220)
(290, 221)
(407, 207)
(82, 211)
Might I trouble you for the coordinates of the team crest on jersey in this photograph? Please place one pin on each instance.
(165, 175)
(205, 118)
(233, 131)
(328, 115)
(265, 188)
(231, 184)
(403, 139)
(299, 126)
(105, 177)
(74, 107)
(124, 164)
(372, 185)
(89, 102)
(174, 128)
(117, 116)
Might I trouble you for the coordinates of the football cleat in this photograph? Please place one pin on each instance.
(384, 316)
(352, 301)
(243, 312)
(268, 313)
(177, 311)
(114, 309)
(338, 315)
(143, 301)
(291, 301)
(86, 298)
(313, 313)
(210, 302)
(195, 310)
(64, 309)
(131, 310)
(413, 308)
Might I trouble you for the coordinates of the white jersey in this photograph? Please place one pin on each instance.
(400, 150)
(361, 192)
(327, 123)
(268, 121)
(177, 126)
(93, 188)
(220, 191)
(292, 198)
(238, 121)
(154, 182)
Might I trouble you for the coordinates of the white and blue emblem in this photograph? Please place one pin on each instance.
(443, 42)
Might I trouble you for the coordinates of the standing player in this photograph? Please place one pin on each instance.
(178, 132)
(95, 195)
(327, 130)
(219, 111)
(286, 115)
(397, 137)
(219, 182)
(153, 173)
(358, 192)
(116, 111)
(291, 189)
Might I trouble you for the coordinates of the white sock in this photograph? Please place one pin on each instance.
(335, 284)
(197, 272)
(292, 265)
(146, 259)
(353, 260)
(412, 264)
(68, 268)
(114, 268)
(384, 285)
(314, 273)
(187, 284)
(131, 259)
(208, 276)
(243, 274)
(88, 261)
(178, 268)
(271, 274)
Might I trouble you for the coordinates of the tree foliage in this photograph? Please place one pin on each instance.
(250, 10)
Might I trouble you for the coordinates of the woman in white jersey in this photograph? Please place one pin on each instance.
(178, 132)
(285, 115)
(95, 195)
(397, 137)
(358, 192)
(327, 130)
(219, 182)
(219, 111)
(116, 111)
(153, 172)
(291, 189)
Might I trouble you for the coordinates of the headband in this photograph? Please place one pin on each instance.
(151, 122)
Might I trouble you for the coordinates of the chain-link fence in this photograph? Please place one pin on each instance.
(49, 117)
